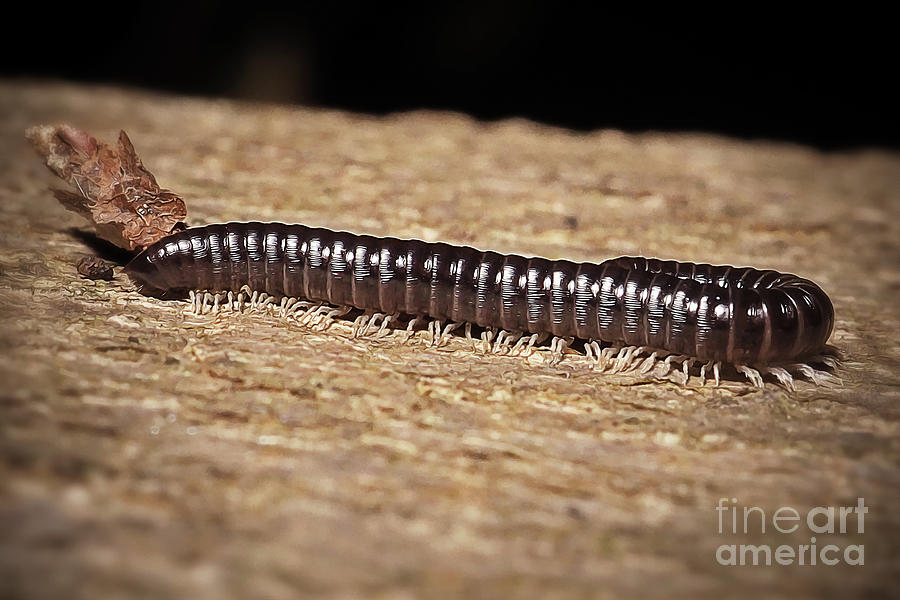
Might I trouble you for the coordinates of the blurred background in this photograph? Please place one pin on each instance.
(829, 85)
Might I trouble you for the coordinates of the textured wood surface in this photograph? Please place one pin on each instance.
(147, 452)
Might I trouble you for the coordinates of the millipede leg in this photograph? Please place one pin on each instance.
(606, 357)
(635, 361)
(686, 369)
(409, 329)
(525, 345)
(783, 376)
(383, 331)
(501, 344)
(589, 351)
(703, 370)
(513, 339)
(286, 304)
(434, 330)
(445, 333)
(631, 358)
(667, 365)
(311, 316)
(486, 336)
(327, 320)
(358, 323)
(675, 358)
(817, 377)
(267, 303)
(619, 358)
(678, 375)
(321, 316)
(829, 361)
(504, 340)
(501, 335)
(625, 358)
(663, 368)
(647, 364)
(371, 321)
(297, 309)
(245, 290)
(520, 344)
(558, 349)
(751, 374)
(305, 316)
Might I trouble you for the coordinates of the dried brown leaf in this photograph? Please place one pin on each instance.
(115, 191)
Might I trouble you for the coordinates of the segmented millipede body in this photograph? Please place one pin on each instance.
(738, 315)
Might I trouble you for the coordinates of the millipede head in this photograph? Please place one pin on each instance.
(146, 275)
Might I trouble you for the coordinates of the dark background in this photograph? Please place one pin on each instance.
(826, 84)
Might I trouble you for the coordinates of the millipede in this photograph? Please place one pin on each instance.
(630, 313)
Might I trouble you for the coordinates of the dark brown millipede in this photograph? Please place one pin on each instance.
(750, 318)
